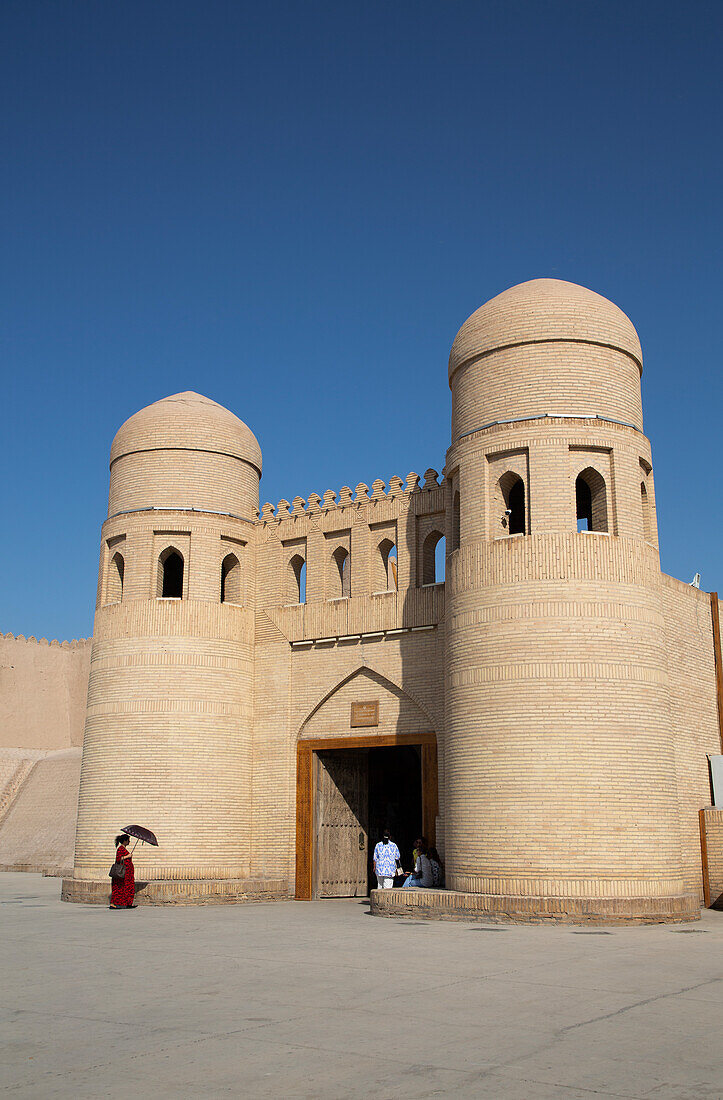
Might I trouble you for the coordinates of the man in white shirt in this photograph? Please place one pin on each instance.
(386, 861)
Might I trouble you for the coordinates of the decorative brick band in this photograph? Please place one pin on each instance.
(193, 892)
(557, 670)
(451, 905)
(528, 608)
(92, 871)
(535, 886)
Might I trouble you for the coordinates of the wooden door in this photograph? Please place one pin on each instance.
(341, 805)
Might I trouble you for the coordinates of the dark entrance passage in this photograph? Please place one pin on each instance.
(348, 791)
(395, 800)
(359, 793)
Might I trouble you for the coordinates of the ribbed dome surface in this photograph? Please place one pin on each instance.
(544, 310)
(187, 421)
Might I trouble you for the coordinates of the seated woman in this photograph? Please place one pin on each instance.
(437, 868)
(421, 876)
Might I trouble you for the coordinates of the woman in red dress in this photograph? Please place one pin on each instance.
(123, 889)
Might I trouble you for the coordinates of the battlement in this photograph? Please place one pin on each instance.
(346, 497)
(74, 643)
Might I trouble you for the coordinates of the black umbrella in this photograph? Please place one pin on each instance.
(140, 833)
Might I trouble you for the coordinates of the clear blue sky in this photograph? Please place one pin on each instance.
(291, 208)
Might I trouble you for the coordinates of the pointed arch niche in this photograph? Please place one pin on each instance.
(593, 490)
(115, 568)
(340, 582)
(231, 580)
(386, 576)
(647, 502)
(508, 480)
(402, 721)
(170, 577)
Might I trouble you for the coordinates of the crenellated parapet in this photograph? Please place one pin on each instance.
(361, 495)
(74, 643)
(374, 547)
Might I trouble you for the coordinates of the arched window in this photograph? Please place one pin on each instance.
(433, 558)
(116, 571)
(591, 501)
(512, 489)
(455, 521)
(231, 580)
(342, 561)
(393, 569)
(297, 569)
(645, 505)
(170, 574)
(388, 560)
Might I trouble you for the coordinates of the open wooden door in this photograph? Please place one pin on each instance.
(332, 803)
(341, 828)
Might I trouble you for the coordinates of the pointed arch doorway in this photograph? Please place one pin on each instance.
(338, 807)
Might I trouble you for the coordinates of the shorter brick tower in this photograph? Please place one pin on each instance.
(169, 718)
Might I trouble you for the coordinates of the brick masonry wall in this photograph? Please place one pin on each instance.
(693, 708)
(359, 523)
(183, 479)
(307, 693)
(558, 378)
(202, 539)
(713, 817)
(43, 689)
(549, 453)
(560, 766)
(454, 905)
(168, 738)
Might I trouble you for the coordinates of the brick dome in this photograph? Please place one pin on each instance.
(544, 311)
(189, 422)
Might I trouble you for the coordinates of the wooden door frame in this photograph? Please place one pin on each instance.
(305, 792)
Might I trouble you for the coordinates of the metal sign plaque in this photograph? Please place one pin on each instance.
(365, 714)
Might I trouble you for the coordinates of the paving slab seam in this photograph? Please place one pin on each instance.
(138, 1057)
(640, 1004)
(577, 1089)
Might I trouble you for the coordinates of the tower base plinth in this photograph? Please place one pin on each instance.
(453, 905)
(181, 892)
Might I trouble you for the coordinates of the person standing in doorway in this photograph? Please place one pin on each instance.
(386, 861)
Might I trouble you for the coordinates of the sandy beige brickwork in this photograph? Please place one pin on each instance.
(569, 686)
(695, 730)
(178, 699)
(520, 908)
(557, 706)
(38, 811)
(43, 689)
(711, 825)
(557, 692)
(168, 736)
(43, 694)
(544, 347)
(306, 692)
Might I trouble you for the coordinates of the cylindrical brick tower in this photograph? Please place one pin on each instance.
(169, 717)
(561, 790)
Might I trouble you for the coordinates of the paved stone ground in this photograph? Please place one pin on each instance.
(322, 1001)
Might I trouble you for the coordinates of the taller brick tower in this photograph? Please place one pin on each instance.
(170, 699)
(560, 772)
